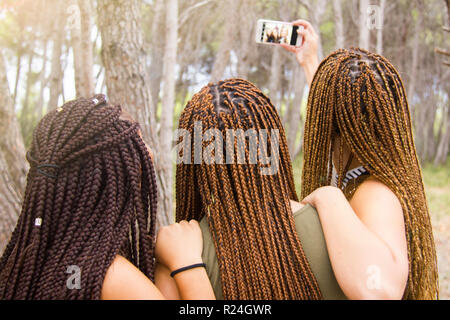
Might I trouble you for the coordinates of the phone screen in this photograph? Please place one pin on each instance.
(277, 33)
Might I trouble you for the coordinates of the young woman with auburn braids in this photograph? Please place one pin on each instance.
(90, 205)
(375, 220)
(259, 241)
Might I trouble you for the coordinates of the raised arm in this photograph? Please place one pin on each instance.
(306, 53)
(365, 238)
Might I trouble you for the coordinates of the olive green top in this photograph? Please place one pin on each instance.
(310, 233)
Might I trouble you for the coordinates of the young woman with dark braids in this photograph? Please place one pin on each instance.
(358, 136)
(89, 212)
(259, 242)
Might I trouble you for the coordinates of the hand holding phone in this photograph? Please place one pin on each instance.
(306, 51)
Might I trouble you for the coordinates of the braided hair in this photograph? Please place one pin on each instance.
(359, 97)
(90, 195)
(249, 215)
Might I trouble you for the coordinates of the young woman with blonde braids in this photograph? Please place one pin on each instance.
(87, 226)
(358, 135)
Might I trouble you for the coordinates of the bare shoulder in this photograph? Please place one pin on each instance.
(124, 281)
(380, 210)
(373, 193)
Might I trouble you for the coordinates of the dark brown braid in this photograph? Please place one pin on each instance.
(360, 97)
(249, 214)
(93, 185)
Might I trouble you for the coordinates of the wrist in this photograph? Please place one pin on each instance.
(184, 263)
(310, 67)
(187, 268)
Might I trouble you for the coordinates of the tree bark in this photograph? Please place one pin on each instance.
(82, 47)
(13, 166)
(295, 119)
(126, 78)
(168, 101)
(18, 70)
(42, 82)
(316, 19)
(157, 53)
(275, 78)
(56, 73)
(415, 59)
(364, 32)
(380, 30)
(246, 35)
(338, 24)
(444, 142)
(228, 39)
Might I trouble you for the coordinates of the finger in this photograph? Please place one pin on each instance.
(304, 33)
(183, 222)
(305, 200)
(288, 47)
(303, 23)
(193, 222)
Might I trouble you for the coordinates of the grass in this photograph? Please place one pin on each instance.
(437, 189)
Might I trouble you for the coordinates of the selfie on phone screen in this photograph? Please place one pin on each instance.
(277, 33)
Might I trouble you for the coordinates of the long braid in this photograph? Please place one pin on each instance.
(90, 183)
(359, 96)
(259, 253)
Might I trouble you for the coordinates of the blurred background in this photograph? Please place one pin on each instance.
(151, 56)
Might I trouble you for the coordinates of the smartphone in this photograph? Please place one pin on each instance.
(277, 32)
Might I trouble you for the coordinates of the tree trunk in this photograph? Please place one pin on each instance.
(228, 39)
(295, 120)
(42, 82)
(56, 73)
(380, 30)
(338, 24)
(246, 35)
(275, 78)
(415, 60)
(168, 102)
(444, 142)
(18, 69)
(126, 77)
(364, 32)
(82, 48)
(157, 53)
(13, 166)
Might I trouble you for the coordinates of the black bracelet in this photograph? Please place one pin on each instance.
(197, 265)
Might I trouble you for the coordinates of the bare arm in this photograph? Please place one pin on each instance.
(365, 239)
(184, 285)
(123, 281)
(194, 283)
(165, 283)
(179, 245)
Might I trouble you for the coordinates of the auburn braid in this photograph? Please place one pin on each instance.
(259, 253)
(359, 96)
(92, 185)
